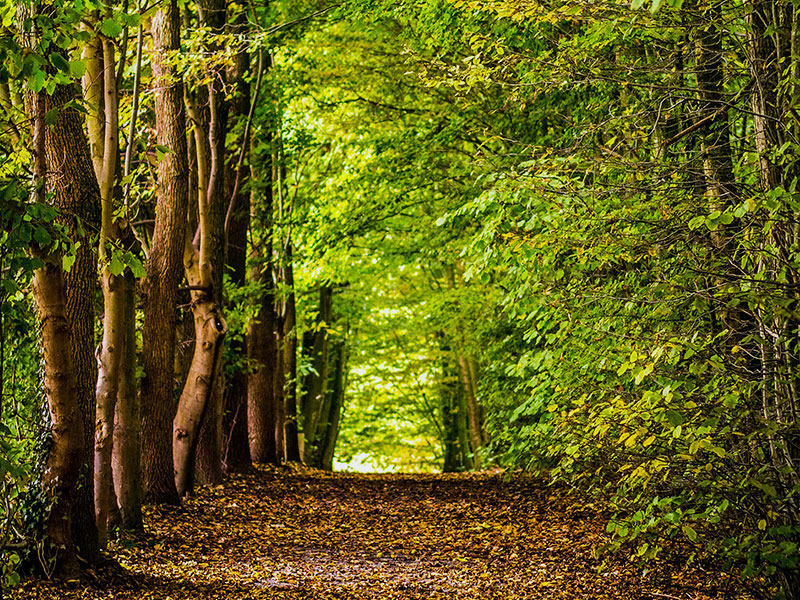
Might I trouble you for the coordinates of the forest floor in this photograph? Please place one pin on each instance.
(298, 534)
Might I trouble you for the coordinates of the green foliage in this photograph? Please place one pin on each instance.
(610, 301)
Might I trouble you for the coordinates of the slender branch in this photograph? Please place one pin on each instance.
(245, 142)
(701, 123)
(134, 114)
(319, 13)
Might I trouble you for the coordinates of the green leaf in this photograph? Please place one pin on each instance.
(12, 579)
(67, 261)
(110, 28)
(637, 4)
(42, 237)
(689, 533)
(655, 6)
(60, 63)
(135, 265)
(116, 266)
(36, 81)
(51, 117)
(77, 68)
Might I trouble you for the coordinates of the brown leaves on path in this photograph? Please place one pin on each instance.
(302, 535)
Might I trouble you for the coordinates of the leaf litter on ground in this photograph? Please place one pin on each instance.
(299, 534)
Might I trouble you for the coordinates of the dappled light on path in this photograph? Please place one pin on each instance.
(305, 534)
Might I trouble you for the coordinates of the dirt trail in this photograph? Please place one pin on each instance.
(280, 534)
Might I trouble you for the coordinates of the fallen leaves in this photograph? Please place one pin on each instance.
(301, 534)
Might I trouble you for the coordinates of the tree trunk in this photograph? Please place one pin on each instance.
(336, 393)
(262, 350)
(315, 384)
(112, 348)
(207, 458)
(210, 329)
(64, 157)
(66, 453)
(236, 452)
(199, 409)
(126, 457)
(75, 193)
(473, 409)
(66, 450)
(720, 186)
(448, 399)
(461, 423)
(164, 264)
(289, 349)
(772, 39)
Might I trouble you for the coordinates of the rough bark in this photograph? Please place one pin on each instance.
(75, 192)
(164, 265)
(265, 386)
(262, 350)
(63, 155)
(66, 452)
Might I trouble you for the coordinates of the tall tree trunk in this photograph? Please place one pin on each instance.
(164, 264)
(315, 384)
(126, 453)
(720, 186)
(262, 350)
(236, 453)
(263, 345)
(126, 457)
(289, 360)
(112, 349)
(65, 454)
(462, 424)
(76, 195)
(207, 458)
(199, 410)
(772, 29)
(448, 400)
(288, 340)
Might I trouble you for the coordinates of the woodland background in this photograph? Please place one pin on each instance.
(559, 237)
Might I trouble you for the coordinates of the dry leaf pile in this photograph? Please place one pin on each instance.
(298, 534)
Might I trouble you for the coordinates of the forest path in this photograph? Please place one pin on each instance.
(295, 534)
